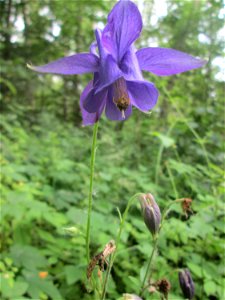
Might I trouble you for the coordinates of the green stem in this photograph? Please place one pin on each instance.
(172, 181)
(155, 242)
(92, 165)
(117, 244)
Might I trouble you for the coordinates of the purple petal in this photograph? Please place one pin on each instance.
(166, 61)
(94, 100)
(109, 71)
(93, 48)
(89, 118)
(143, 94)
(123, 28)
(130, 66)
(71, 65)
(111, 110)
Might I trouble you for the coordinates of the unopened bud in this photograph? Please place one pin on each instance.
(186, 284)
(131, 297)
(151, 213)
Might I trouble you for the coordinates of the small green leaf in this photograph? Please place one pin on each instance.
(210, 287)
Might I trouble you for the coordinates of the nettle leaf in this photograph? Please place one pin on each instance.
(165, 140)
(11, 289)
(27, 257)
(183, 168)
(74, 273)
(135, 283)
(210, 287)
(37, 286)
(195, 269)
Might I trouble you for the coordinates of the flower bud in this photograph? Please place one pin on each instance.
(151, 213)
(131, 297)
(186, 284)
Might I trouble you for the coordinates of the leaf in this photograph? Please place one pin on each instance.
(210, 288)
(165, 140)
(195, 269)
(11, 289)
(38, 286)
(27, 257)
(74, 273)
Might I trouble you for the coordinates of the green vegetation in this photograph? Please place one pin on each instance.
(174, 152)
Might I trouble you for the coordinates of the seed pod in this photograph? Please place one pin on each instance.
(131, 297)
(163, 286)
(151, 213)
(186, 284)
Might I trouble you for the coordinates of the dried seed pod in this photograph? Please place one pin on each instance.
(100, 258)
(131, 297)
(186, 284)
(163, 286)
(151, 213)
(186, 206)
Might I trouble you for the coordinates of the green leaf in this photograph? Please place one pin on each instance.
(11, 289)
(210, 288)
(74, 273)
(165, 140)
(27, 257)
(195, 269)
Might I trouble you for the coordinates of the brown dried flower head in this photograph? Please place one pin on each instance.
(186, 206)
(100, 258)
(163, 286)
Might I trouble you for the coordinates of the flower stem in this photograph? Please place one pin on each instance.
(112, 258)
(92, 165)
(155, 242)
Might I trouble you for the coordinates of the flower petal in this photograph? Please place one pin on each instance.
(108, 70)
(130, 66)
(89, 118)
(111, 110)
(94, 100)
(143, 94)
(123, 28)
(166, 61)
(70, 65)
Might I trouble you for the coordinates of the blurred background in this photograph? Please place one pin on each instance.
(174, 152)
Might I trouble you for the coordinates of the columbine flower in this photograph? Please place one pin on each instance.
(118, 83)
(151, 213)
(186, 284)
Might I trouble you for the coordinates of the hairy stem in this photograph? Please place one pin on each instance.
(117, 244)
(92, 165)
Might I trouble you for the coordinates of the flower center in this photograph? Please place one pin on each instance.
(120, 95)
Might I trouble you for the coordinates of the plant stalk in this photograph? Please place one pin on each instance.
(155, 243)
(112, 258)
(92, 165)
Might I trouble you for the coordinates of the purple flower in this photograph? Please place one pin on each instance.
(118, 83)
(186, 284)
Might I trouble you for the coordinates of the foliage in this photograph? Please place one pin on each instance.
(174, 152)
